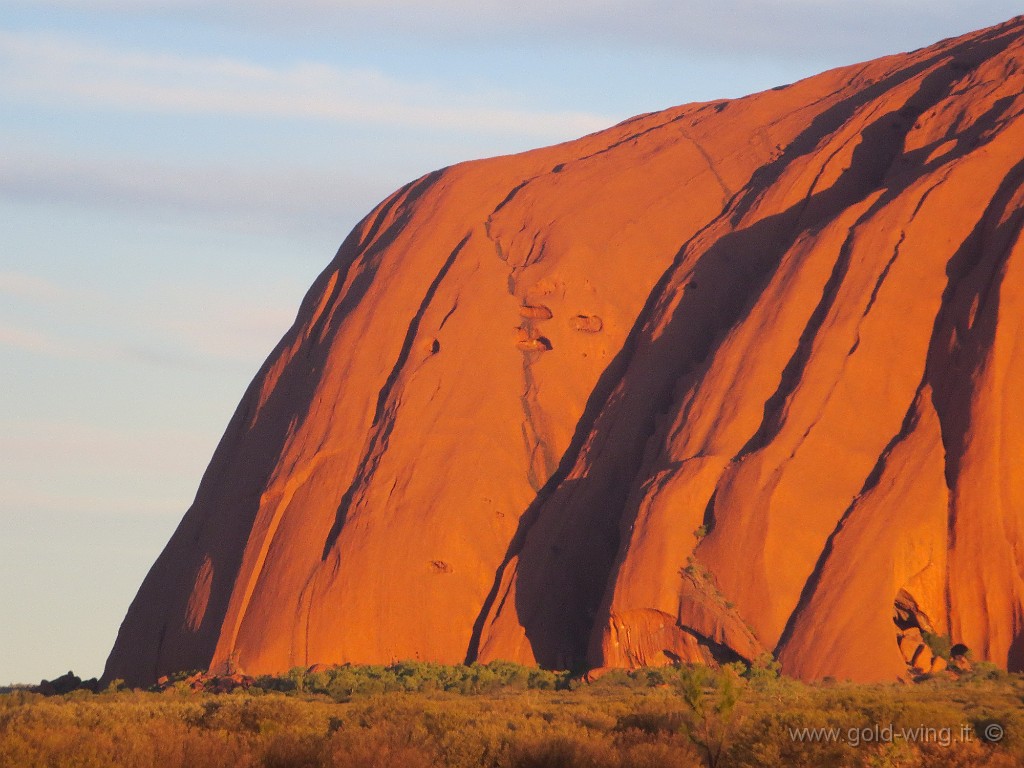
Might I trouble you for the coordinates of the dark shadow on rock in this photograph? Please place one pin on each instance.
(573, 526)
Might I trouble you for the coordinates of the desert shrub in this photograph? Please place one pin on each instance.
(770, 738)
(672, 717)
(654, 676)
(616, 678)
(563, 752)
(381, 742)
(651, 722)
(659, 754)
(263, 714)
(345, 682)
(546, 680)
(984, 670)
(940, 645)
(764, 672)
(290, 750)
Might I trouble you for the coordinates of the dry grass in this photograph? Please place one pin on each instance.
(406, 717)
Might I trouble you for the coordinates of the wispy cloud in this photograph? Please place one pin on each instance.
(732, 27)
(183, 326)
(201, 344)
(265, 198)
(41, 68)
(60, 346)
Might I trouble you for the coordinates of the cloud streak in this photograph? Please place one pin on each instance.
(184, 326)
(47, 69)
(286, 199)
(733, 27)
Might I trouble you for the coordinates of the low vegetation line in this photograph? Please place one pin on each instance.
(503, 715)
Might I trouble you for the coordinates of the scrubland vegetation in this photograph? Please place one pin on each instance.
(415, 715)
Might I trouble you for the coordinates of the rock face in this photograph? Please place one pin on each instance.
(718, 381)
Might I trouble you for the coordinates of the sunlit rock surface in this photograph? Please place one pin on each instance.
(721, 380)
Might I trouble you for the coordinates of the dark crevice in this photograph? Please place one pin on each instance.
(410, 335)
(380, 432)
(157, 660)
(609, 379)
(966, 260)
(752, 254)
(871, 165)
(510, 196)
(958, 349)
(828, 122)
(962, 271)
(910, 421)
(709, 514)
(722, 654)
(405, 196)
(882, 276)
(877, 150)
(775, 406)
(726, 191)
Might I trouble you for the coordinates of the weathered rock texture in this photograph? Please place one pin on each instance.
(720, 380)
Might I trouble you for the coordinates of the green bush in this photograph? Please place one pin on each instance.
(939, 644)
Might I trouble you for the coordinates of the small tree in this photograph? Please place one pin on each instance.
(711, 698)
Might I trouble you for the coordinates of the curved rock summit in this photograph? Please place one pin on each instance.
(737, 377)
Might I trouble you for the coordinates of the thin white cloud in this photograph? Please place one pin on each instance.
(290, 197)
(199, 345)
(227, 335)
(47, 69)
(59, 346)
(732, 27)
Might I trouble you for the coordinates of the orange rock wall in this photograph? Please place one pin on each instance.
(715, 382)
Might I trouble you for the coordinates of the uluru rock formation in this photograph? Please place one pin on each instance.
(737, 377)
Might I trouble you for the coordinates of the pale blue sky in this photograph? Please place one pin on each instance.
(174, 174)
